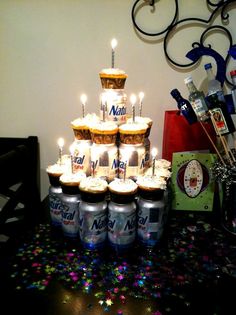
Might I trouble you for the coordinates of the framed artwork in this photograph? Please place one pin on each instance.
(193, 186)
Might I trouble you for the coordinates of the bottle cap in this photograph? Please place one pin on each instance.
(207, 66)
(188, 79)
(233, 73)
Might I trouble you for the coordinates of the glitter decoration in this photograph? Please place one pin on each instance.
(161, 275)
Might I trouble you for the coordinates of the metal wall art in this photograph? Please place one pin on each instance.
(200, 48)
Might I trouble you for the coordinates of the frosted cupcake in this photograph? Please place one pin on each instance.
(93, 188)
(113, 78)
(104, 132)
(81, 126)
(133, 133)
(54, 172)
(151, 187)
(122, 191)
(70, 182)
(142, 120)
(160, 172)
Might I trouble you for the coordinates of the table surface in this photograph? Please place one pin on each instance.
(191, 271)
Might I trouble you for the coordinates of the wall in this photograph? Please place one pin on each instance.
(51, 51)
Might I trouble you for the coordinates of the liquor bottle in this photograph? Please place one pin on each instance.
(184, 106)
(197, 100)
(216, 103)
(233, 90)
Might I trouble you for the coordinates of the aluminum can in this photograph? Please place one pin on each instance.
(81, 156)
(147, 146)
(134, 165)
(55, 205)
(93, 224)
(104, 157)
(151, 221)
(121, 225)
(115, 105)
(70, 215)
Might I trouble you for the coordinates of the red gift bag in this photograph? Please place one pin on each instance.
(180, 136)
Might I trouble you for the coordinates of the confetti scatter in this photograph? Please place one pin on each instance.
(167, 272)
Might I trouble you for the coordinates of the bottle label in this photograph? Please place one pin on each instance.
(219, 124)
(199, 107)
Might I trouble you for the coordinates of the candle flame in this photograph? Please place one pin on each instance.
(141, 96)
(154, 152)
(113, 43)
(83, 98)
(60, 142)
(133, 99)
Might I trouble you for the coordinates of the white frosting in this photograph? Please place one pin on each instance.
(104, 126)
(123, 186)
(140, 119)
(112, 71)
(133, 126)
(151, 182)
(93, 184)
(159, 172)
(162, 163)
(72, 177)
(56, 169)
(86, 121)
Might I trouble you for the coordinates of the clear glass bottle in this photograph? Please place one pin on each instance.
(197, 100)
(216, 103)
(233, 90)
(184, 106)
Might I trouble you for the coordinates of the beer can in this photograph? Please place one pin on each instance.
(55, 205)
(115, 105)
(131, 160)
(104, 159)
(81, 156)
(121, 225)
(150, 220)
(93, 223)
(70, 215)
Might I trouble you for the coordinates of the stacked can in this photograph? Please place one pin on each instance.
(70, 202)
(122, 214)
(151, 210)
(104, 151)
(113, 98)
(132, 150)
(55, 193)
(93, 213)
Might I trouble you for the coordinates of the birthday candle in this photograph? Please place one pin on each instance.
(60, 143)
(113, 46)
(154, 154)
(83, 100)
(141, 96)
(133, 101)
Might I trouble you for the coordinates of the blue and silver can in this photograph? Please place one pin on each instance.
(70, 213)
(93, 223)
(55, 205)
(121, 224)
(151, 208)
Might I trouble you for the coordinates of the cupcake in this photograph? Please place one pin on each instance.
(151, 187)
(112, 78)
(93, 189)
(54, 172)
(133, 133)
(70, 182)
(122, 191)
(160, 172)
(81, 126)
(145, 120)
(104, 132)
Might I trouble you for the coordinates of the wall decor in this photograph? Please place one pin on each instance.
(216, 8)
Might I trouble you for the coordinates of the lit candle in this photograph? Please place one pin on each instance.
(113, 46)
(154, 154)
(141, 96)
(72, 158)
(83, 100)
(125, 166)
(133, 101)
(60, 143)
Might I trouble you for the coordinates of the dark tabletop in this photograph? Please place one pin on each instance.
(191, 271)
